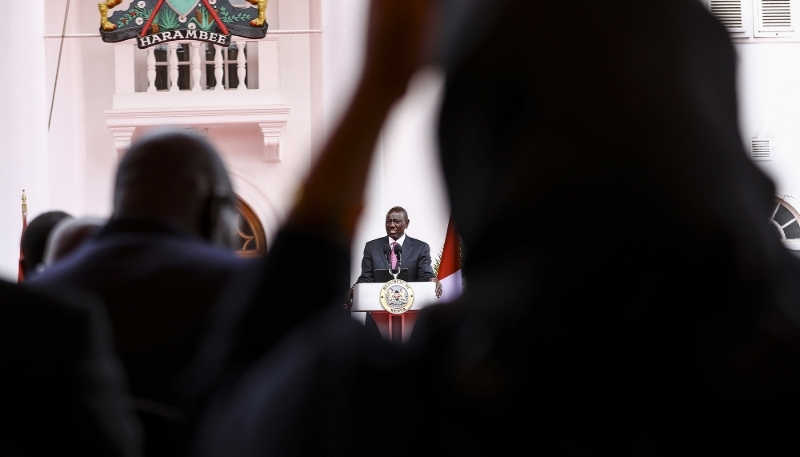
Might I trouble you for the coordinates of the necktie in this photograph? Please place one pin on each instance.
(393, 256)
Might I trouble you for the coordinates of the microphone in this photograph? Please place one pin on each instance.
(399, 251)
(387, 252)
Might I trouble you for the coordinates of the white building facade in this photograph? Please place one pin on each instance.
(265, 104)
(766, 36)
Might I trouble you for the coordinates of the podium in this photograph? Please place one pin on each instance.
(393, 327)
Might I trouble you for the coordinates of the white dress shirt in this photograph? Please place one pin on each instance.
(399, 240)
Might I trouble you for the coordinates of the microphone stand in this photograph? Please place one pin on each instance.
(399, 253)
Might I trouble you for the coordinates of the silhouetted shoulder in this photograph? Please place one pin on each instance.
(63, 390)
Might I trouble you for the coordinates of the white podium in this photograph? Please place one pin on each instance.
(394, 327)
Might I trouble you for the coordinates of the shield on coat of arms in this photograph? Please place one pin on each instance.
(154, 22)
(183, 7)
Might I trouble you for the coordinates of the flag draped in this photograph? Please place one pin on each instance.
(21, 274)
(450, 266)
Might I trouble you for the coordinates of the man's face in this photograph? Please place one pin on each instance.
(396, 225)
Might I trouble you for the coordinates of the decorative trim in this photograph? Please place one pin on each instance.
(122, 139)
(271, 120)
(272, 140)
(187, 116)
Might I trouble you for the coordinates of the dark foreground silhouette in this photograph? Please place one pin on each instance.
(626, 296)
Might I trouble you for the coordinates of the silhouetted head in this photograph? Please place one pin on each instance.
(396, 222)
(563, 143)
(34, 239)
(67, 235)
(177, 177)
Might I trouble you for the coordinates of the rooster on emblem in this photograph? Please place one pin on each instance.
(398, 297)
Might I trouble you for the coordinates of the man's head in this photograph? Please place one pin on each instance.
(34, 239)
(177, 177)
(67, 235)
(396, 222)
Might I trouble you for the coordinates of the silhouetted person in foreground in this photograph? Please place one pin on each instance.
(62, 390)
(159, 264)
(626, 295)
(34, 240)
(67, 235)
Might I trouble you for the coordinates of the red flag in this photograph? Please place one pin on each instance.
(21, 275)
(450, 266)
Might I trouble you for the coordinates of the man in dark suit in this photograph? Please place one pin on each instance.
(413, 254)
(63, 389)
(159, 264)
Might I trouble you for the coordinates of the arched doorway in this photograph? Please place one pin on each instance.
(785, 220)
(252, 240)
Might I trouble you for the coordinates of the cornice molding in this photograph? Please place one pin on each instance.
(271, 120)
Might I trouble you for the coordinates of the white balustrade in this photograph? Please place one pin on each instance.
(226, 81)
(151, 69)
(190, 72)
(218, 70)
(173, 66)
(241, 64)
(196, 64)
(164, 67)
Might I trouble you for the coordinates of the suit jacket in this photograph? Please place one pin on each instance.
(416, 257)
(63, 389)
(158, 284)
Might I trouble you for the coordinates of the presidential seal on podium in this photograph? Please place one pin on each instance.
(397, 296)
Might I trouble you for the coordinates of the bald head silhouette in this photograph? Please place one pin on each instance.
(34, 240)
(177, 177)
(68, 235)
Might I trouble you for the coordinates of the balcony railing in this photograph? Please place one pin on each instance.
(199, 84)
(171, 74)
(197, 66)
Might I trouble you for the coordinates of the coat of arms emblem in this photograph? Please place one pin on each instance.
(397, 296)
(153, 22)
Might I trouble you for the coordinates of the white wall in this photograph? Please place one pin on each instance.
(411, 168)
(318, 74)
(23, 125)
(769, 104)
(84, 147)
(406, 170)
(81, 147)
(67, 145)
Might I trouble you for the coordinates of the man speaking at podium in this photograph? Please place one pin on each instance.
(394, 252)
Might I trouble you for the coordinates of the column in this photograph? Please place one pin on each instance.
(197, 62)
(151, 69)
(24, 107)
(218, 72)
(173, 66)
(241, 64)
